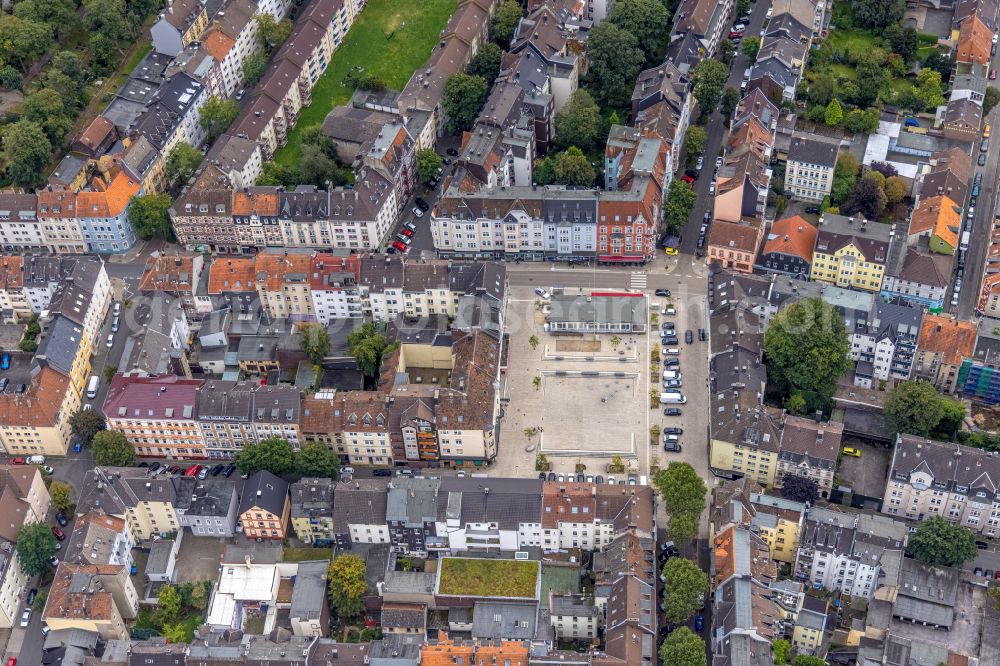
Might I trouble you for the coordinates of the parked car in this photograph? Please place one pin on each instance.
(672, 411)
(25, 617)
(662, 292)
(61, 519)
(111, 341)
(385, 472)
(702, 335)
(17, 461)
(452, 152)
(421, 204)
(32, 593)
(982, 545)
(203, 473)
(417, 212)
(699, 623)
(699, 163)
(229, 471)
(688, 336)
(671, 363)
(58, 533)
(851, 451)
(687, 179)
(5, 361)
(982, 159)
(54, 561)
(674, 431)
(672, 447)
(813, 210)
(344, 471)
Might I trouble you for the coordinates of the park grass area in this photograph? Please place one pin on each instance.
(488, 578)
(306, 554)
(390, 39)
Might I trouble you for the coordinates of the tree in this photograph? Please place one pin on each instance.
(834, 113)
(683, 647)
(572, 167)
(915, 407)
(845, 174)
(254, 67)
(730, 100)
(928, 88)
(942, 544)
(806, 348)
(615, 62)
(799, 488)
(578, 123)
(317, 166)
(686, 586)
(823, 89)
(681, 489)
(23, 41)
(46, 108)
(544, 172)
(872, 76)
(861, 122)
(273, 454)
(61, 496)
(66, 74)
(750, 47)
(110, 448)
(272, 32)
(347, 585)
(218, 114)
(708, 78)
(504, 24)
(942, 62)
(681, 199)
(953, 416)
(895, 189)
(683, 527)
(428, 163)
(646, 20)
(695, 141)
(463, 99)
(903, 40)
(182, 161)
(486, 63)
(877, 14)
(168, 604)
(175, 632)
(104, 51)
(315, 342)
(366, 346)
(86, 423)
(781, 651)
(316, 460)
(109, 19)
(866, 198)
(10, 78)
(533, 342)
(742, 7)
(59, 14)
(990, 99)
(35, 547)
(26, 152)
(150, 216)
(726, 52)
(808, 660)
(201, 594)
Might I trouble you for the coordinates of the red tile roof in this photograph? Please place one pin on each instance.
(792, 236)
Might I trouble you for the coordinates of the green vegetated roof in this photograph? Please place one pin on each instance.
(488, 578)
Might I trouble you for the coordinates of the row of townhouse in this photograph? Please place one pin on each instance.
(419, 515)
(153, 505)
(215, 213)
(193, 419)
(25, 501)
(45, 387)
(304, 286)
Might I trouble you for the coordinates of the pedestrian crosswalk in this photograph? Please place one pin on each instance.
(637, 281)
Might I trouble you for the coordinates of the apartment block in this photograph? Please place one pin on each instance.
(26, 501)
(942, 345)
(264, 507)
(157, 415)
(97, 598)
(809, 449)
(312, 510)
(850, 252)
(811, 161)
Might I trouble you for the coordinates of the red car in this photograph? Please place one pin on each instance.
(192, 470)
(58, 533)
(735, 35)
(993, 74)
(17, 461)
(407, 232)
(688, 179)
(399, 246)
(12, 661)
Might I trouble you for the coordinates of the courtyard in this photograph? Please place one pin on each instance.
(390, 39)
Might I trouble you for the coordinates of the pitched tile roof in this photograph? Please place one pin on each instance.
(792, 236)
(173, 273)
(938, 215)
(218, 44)
(952, 338)
(39, 406)
(742, 236)
(110, 202)
(234, 274)
(161, 398)
(264, 491)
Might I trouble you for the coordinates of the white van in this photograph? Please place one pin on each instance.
(95, 382)
(36, 460)
(672, 398)
(671, 374)
(670, 351)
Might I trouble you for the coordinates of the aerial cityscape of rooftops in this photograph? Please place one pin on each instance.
(499, 333)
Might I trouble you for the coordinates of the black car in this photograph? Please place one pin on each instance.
(982, 545)
(541, 476)
(61, 519)
(691, 173)
(228, 472)
(812, 209)
(552, 476)
(432, 183)
(447, 161)
(671, 363)
(669, 339)
(688, 336)
(672, 411)
(672, 447)
(702, 336)
(452, 152)
(667, 326)
(662, 292)
(217, 470)
(382, 472)
(982, 159)
(143, 464)
(422, 205)
(673, 431)
(31, 597)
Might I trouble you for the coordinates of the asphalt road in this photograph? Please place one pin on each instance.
(717, 130)
(982, 223)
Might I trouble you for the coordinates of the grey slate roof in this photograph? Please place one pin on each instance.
(509, 502)
(309, 593)
(813, 149)
(266, 491)
(926, 593)
(359, 502)
(497, 620)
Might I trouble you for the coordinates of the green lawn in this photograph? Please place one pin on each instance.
(499, 578)
(853, 40)
(391, 38)
(306, 554)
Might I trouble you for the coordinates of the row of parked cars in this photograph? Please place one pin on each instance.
(580, 477)
(200, 471)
